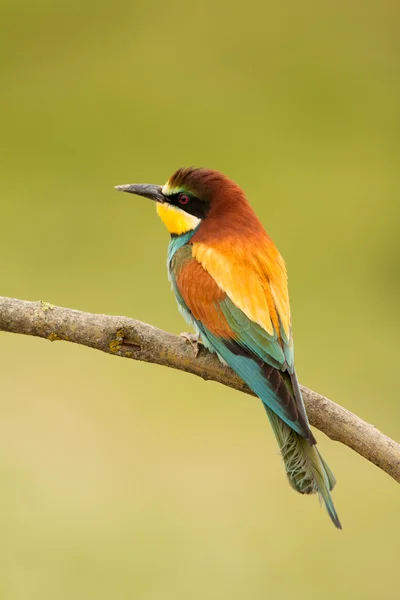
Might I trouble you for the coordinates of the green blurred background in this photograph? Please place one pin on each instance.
(123, 480)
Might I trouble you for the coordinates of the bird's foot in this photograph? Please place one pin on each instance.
(194, 340)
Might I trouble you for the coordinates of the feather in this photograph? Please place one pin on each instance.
(230, 282)
(256, 356)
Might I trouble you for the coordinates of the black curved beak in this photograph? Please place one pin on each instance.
(143, 189)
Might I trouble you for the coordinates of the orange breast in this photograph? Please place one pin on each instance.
(202, 296)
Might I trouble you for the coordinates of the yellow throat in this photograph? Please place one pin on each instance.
(176, 220)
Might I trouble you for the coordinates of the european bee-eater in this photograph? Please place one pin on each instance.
(230, 283)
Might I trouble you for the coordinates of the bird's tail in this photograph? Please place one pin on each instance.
(306, 470)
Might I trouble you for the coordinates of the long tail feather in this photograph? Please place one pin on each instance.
(307, 471)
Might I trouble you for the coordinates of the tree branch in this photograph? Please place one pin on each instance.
(136, 340)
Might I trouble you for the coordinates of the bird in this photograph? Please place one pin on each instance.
(230, 283)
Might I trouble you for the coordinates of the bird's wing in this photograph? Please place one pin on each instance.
(254, 279)
(256, 355)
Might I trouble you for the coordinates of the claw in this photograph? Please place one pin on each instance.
(194, 340)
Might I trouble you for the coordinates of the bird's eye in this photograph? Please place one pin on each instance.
(183, 199)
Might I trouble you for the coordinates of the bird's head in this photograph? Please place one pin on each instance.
(189, 196)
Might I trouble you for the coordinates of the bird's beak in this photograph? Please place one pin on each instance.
(143, 189)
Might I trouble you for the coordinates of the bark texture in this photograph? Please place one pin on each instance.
(128, 338)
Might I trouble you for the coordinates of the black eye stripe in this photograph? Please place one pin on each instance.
(191, 204)
(174, 198)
